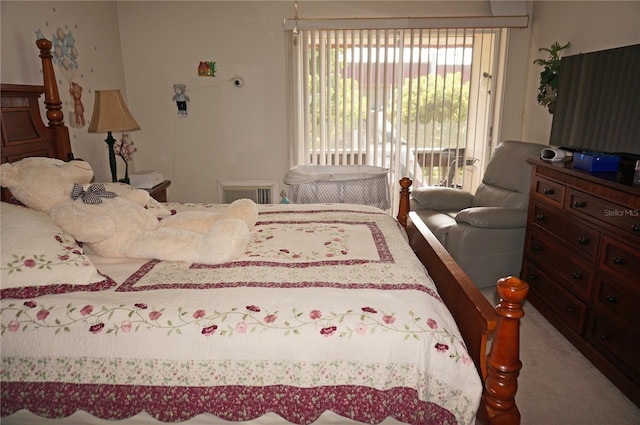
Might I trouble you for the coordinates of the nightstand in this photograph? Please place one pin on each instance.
(159, 192)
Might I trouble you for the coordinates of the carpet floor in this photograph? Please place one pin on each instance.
(558, 385)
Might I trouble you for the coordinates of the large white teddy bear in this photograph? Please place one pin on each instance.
(120, 226)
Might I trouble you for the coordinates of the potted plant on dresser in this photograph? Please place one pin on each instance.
(548, 88)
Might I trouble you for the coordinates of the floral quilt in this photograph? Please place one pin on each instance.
(328, 309)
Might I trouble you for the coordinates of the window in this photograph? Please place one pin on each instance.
(417, 101)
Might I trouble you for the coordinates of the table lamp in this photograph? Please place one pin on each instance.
(110, 113)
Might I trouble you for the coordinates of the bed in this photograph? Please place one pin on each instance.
(335, 313)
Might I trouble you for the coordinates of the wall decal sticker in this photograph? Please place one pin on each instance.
(207, 69)
(65, 56)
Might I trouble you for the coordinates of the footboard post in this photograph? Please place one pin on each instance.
(503, 362)
(403, 205)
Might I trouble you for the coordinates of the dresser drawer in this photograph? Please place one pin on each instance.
(617, 339)
(548, 191)
(569, 309)
(575, 274)
(620, 299)
(600, 210)
(620, 259)
(581, 238)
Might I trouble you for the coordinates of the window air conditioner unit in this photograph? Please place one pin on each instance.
(259, 191)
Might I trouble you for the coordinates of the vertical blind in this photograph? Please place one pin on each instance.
(416, 101)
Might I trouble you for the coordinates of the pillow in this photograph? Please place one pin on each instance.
(126, 191)
(40, 258)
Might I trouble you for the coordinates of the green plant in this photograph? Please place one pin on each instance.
(549, 75)
(440, 98)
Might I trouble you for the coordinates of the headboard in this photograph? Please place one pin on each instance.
(24, 133)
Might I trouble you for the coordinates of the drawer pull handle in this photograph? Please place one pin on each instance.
(577, 275)
(611, 299)
(605, 337)
(541, 217)
(537, 247)
(548, 191)
(618, 261)
(636, 227)
(579, 204)
(583, 241)
(531, 276)
(571, 310)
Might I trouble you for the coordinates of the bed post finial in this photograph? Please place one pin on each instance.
(503, 362)
(51, 96)
(403, 207)
(52, 102)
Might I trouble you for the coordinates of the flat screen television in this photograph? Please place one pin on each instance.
(597, 107)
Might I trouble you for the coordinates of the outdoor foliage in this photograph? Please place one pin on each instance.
(438, 104)
(339, 101)
(428, 102)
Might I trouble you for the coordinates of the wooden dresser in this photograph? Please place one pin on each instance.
(582, 262)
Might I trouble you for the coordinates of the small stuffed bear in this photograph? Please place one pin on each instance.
(118, 226)
(180, 98)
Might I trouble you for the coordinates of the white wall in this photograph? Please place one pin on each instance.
(230, 132)
(233, 133)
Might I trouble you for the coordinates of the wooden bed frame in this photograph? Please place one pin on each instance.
(24, 134)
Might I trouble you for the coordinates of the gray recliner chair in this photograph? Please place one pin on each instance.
(484, 232)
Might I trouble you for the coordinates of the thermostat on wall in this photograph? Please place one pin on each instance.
(146, 179)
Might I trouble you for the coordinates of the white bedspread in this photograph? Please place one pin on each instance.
(328, 309)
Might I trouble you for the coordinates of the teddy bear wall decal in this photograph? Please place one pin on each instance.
(78, 108)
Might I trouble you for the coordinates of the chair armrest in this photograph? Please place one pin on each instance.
(441, 198)
(493, 217)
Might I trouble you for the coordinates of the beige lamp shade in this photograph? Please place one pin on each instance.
(110, 113)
